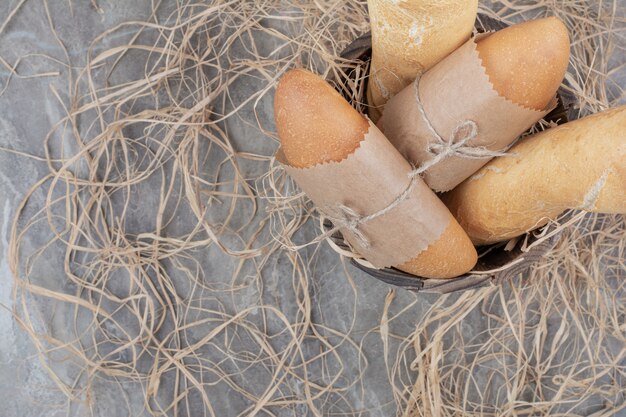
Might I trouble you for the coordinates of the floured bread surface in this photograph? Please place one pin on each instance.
(581, 164)
(526, 62)
(409, 37)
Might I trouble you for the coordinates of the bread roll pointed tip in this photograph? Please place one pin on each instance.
(315, 123)
(526, 63)
(437, 263)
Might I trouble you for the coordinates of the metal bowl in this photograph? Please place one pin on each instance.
(496, 262)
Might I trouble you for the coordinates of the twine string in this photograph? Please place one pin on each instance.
(459, 142)
(346, 218)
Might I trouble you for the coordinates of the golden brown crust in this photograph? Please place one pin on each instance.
(580, 165)
(526, 63)
(450, 256)
(305, 102)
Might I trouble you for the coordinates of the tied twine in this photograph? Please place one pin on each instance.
(349, 219)
(458, 144)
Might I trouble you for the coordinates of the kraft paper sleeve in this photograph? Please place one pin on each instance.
(370, 180)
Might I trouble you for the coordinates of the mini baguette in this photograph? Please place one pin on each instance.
(316, 125)
(579, 165)
(409, 37)
(526, 62)
(503, 83)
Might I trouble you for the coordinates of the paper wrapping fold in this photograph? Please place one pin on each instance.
(455, 91)
(367, 181)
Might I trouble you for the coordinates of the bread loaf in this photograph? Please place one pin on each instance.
(409, 37)
(496, 86)
(316, 125)
(581, 164)
(526, 62)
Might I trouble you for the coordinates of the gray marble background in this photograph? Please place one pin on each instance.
(27, 110)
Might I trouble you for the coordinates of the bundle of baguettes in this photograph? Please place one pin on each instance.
(451, 121)
(355, 177)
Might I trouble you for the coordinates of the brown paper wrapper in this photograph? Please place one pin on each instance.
(455, 90)
(367, 181)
